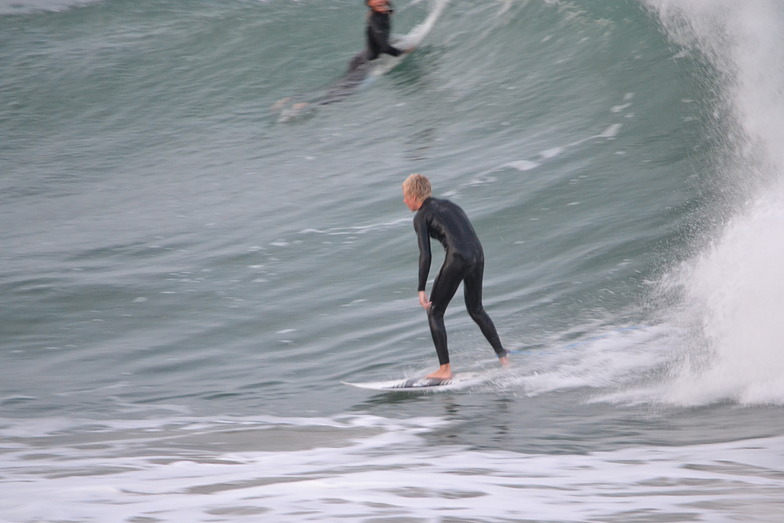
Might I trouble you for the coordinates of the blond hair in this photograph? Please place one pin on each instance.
(418, 186)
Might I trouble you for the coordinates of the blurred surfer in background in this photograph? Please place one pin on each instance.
(464, 262)
(377, 29)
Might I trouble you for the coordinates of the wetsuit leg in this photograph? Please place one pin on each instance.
(472, 287)
(359, 59)
(444, 288)
(373, 49)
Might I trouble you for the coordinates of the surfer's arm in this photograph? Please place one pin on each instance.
(379, 32)
(424, 301)
(425, 257)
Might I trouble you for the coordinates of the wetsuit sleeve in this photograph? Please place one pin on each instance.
(378, 30)
(423, 238)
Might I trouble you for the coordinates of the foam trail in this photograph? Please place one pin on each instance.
(733, 289)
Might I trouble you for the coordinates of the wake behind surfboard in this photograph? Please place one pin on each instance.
(461, 380)
(300, 107)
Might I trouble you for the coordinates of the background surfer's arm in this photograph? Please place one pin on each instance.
(381, 37)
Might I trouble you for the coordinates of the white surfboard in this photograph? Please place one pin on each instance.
(459, 381)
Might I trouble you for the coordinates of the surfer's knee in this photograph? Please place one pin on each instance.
(477, 313)
(436, 312)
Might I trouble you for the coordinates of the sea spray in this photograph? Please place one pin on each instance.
(732, 288)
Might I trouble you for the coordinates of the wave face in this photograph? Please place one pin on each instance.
(194, 256)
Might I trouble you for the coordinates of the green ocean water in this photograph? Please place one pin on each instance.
(186, 276)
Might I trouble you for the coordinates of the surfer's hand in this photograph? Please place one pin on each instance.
(423, 301)
(410, 49)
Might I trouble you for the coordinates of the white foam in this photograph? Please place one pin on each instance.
(611, 131)
(736, 288)
(389, 472)
(732, 290)
(612, 360)
(522, 165)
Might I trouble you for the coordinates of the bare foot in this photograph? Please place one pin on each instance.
(504, 361)
(277, 106)
(444, 372)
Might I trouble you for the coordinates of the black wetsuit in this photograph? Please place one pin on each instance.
(464, 262)
(378, 27)
(377, 32)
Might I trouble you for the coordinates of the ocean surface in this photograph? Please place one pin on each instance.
(191, 263)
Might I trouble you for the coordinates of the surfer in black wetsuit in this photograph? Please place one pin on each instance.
(377, 29)
(463, 262)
